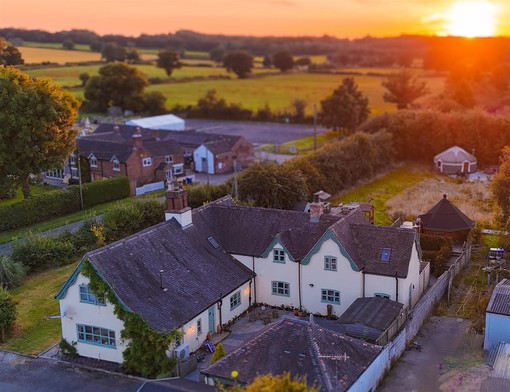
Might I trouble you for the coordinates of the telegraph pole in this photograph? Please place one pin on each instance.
(315, 127)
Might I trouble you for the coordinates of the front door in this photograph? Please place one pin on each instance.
(465, 167)
(211, 319)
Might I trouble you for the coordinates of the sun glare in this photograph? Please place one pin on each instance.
(472, 19)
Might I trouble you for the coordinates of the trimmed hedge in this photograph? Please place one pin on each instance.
(60, 202)
(37, 253)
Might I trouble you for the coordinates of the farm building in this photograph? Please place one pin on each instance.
(447, 220)
(166, 122)
(497, 316)
(223, 155)
(455, 160)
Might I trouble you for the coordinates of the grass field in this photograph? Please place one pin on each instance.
(303, 145)
(60, 56)
(279, 90)
(384, 188)
(34, 190)
(53, 45)
(34, 331)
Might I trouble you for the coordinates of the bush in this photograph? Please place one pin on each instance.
(11, 273)
(84, 239)
(434, 242)
(152, 211)
(218, 353)
(68, 349)
(38, 252)
(103, 191)
(8, 313)
(200, 194)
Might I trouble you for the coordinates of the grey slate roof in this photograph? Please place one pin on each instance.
(250, 230)
(445, 216)
(500, 299)
(195, 273)
(223, 145)
(374, 312)
(330, 360)
(370, 241)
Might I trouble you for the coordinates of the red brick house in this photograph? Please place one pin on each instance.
(139, 154)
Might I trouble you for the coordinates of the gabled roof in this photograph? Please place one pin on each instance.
(455, 154)
(195, 273)
(372, 244)
(500, 299)
(445, 216)
(374, 312)
(223, 145)
(328, 359)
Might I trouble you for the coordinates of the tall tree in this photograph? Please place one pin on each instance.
(68, 44)
(118, 84)
(132, 55)
(36, 132)
(113, 52)
(283, 61)
(239, 62)
(346, 108)
(500, 185)
(168, 60)
(9, 55)
(403, 88)
(217, 54)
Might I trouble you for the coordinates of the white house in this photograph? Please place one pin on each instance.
(202, 268)
(167, 122)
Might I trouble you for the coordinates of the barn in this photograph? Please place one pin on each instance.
(455, 160)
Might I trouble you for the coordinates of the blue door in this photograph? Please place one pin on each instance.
(211, 319)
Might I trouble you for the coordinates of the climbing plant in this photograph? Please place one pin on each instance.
(145, 353)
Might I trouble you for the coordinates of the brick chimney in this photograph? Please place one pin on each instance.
(137, 139)
(316, 208)
(177, 204)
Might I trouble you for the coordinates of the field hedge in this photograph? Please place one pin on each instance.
(60, 202)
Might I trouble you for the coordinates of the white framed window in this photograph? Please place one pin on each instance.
(330, 263)
(72, 159)
(278, 256)
(92, 161)
(235, 300)
(199, 327)
(74, 172)
(280, 288)
(116, 164)
(179, 169)
(169, 159)
(330, 296)
(169, 174)
(147, 161)
(56, 173)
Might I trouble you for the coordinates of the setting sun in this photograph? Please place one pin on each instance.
(472, 19)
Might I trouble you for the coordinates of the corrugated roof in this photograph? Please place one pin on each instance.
(158, 122)
(455, 154)
(445, 216)
(374, 312)
(500, 299)
(330, 360)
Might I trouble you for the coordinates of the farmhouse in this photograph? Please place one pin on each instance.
(139, 154)
(200, 269)
(455, 160)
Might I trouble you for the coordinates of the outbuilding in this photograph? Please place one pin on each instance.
(497, 316)
(455, 160)
(167, 122)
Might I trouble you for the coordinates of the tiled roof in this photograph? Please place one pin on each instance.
(445, 216)
(223, 145)
(500, 299)
(374, 312)
(250, 230)
(331, 361)
(370, 242)
(195, 273)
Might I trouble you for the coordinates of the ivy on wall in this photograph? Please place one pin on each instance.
(145, 354)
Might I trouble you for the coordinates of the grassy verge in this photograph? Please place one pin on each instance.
(34, 330)
(300, 146)
(384, 188)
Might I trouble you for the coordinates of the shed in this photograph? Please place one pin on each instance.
(455, 160)
(447, 220)
(166, 122)
(497, 316)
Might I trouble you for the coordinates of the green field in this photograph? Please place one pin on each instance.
(54, 45)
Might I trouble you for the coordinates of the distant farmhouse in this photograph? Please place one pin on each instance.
(201, 269)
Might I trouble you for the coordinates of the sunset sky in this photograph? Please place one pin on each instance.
(341, 18)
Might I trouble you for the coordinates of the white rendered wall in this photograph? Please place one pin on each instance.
(202, 152)
(77, 312)
(344, 279)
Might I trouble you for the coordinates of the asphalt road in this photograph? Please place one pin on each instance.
(256, 132)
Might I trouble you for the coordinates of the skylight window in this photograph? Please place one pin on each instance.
(213, 242)
(386, 254)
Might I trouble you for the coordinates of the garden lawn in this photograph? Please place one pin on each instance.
(34, 190)
(34, 330)
(382, 189)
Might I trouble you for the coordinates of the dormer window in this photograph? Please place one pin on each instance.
(116, 164)
(386, 254)
(147, 162)
(278, 256)
(92, 161)
(169, 159)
